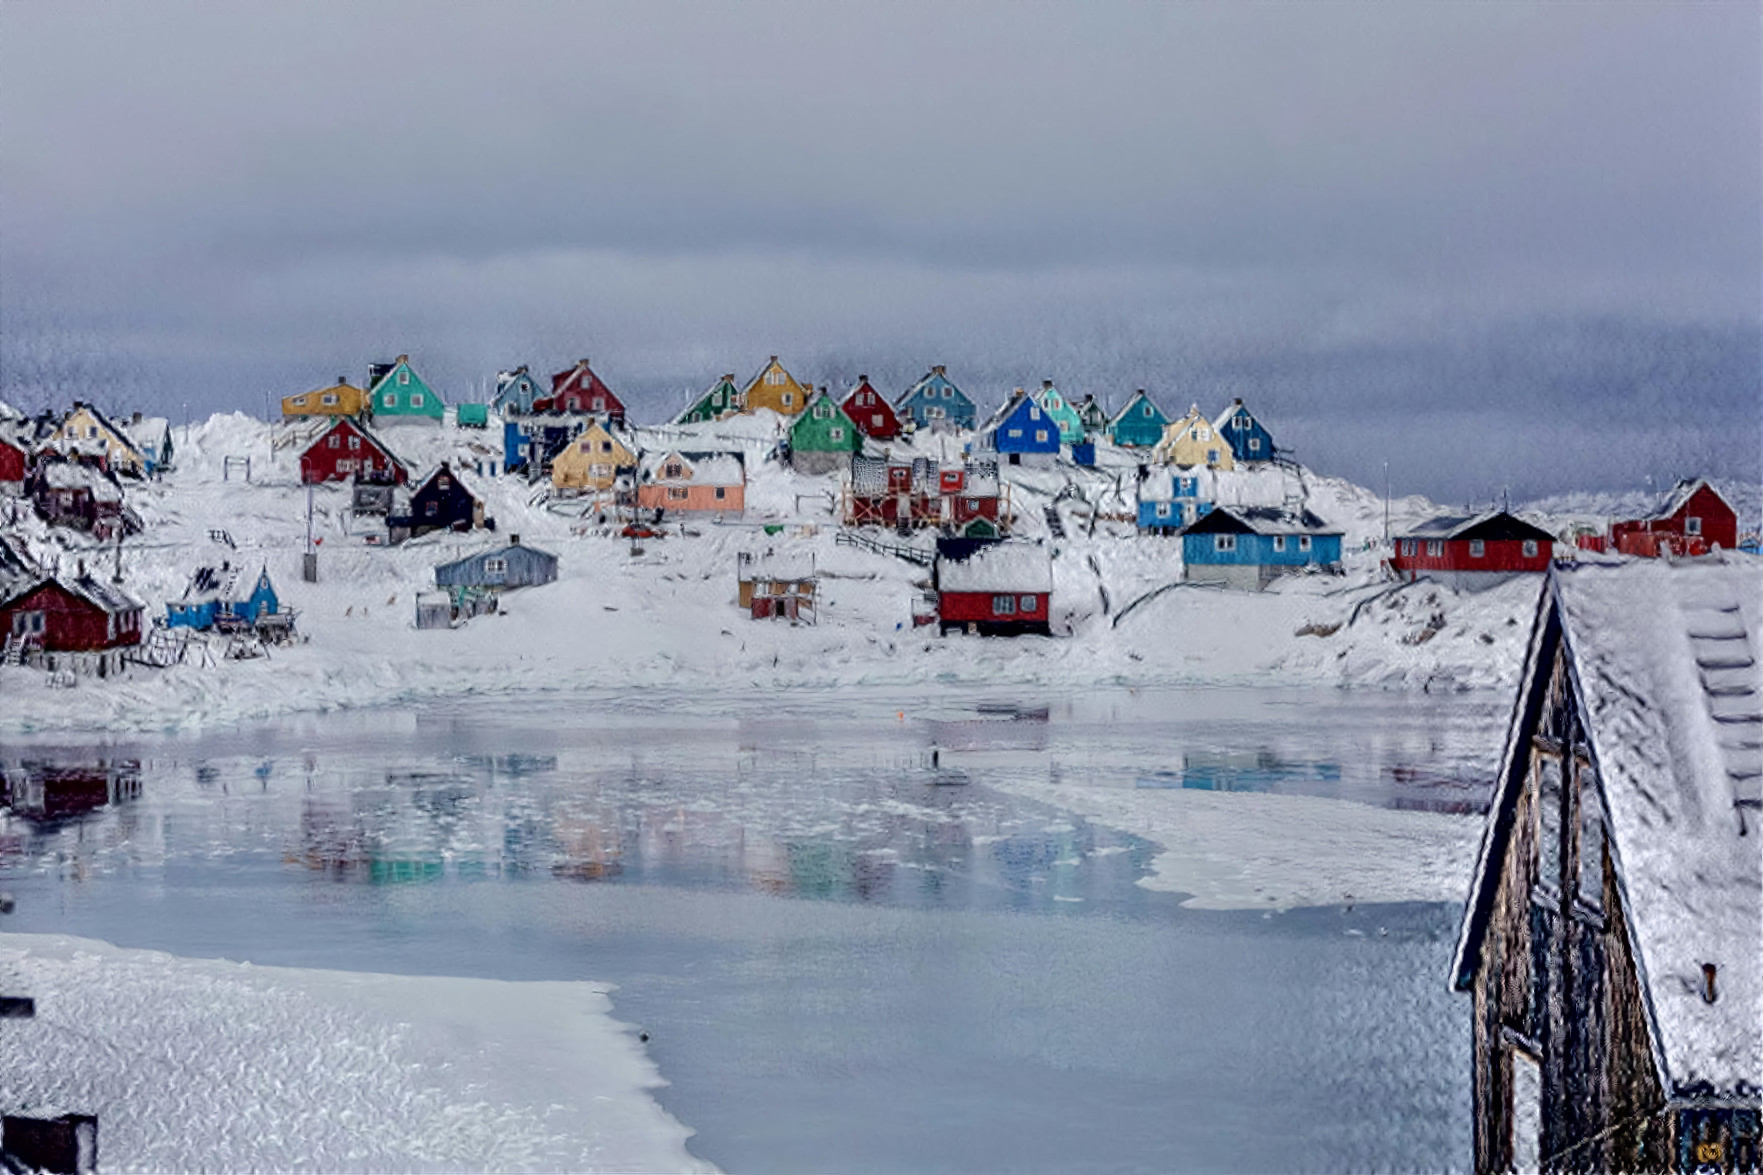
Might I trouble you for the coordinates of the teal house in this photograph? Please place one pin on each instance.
(1139, 424)
(398, 393)
(1054, 404)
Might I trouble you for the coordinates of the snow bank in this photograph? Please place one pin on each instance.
(194, 1065)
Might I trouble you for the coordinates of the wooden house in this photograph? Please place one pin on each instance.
(921, 493)
(1612, 941)
(1093, 416)
(1139, 424)
(1021, 432)
(1002, 588)
(593, 460)
(442, 502)
(212, 599)
(823, 438)
(776, 584)
(87, 432)
(679, 482)
(340, 399)
(870, 411)
(346, 450)
(934, 402)
(1065, 416)
(776, 389)
(1248, 547)
(151, 435)
(1472, 551)
(398, 394)
(1248, 439)
(516, 392)
(722, 399)
(1693, 520)
(14, 464)
(581, 392)
(1192, 441)
(78, 615)
(499, 568)
(531, 443)
(81, 495)
(1170, 499)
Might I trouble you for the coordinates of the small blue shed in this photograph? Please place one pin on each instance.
(210, 597)
(1248, 547)
(499, 567)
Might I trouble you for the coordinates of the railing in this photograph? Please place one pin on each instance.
(918, 555)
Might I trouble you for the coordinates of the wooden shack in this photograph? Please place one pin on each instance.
(780, 584)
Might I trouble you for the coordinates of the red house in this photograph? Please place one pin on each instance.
(578, 392)
(1472, 552)
(921, 493)
(347, 450)
(82, 615)
(871, 412)
(1693, 521)
(12, 462)
(993, 588)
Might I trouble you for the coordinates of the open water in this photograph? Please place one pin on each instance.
(851, 950)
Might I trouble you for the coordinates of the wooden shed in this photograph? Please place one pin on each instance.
(1612, 942)
(993, 588)
(509, 566)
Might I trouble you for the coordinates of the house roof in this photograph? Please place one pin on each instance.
(708, 468)
(1262, 520)
(491, 552)
(1682, 493)
(1131, 402)
(106, 595)
(997, 567)
(73, 475)
(1494, 525)
(211, 583)
(1230, 410)
(926, 378)
(18, 571)
(114, 429)
(1663, 659)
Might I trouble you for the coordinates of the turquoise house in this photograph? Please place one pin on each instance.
(398, 393)
(1054, 404)
(1139, 424)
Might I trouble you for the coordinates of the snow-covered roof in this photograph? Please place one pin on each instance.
(713, 469)
(108, 596)
(211, 583)
(18, 571)
(73, 475)
(1665, 656)
(1263, 520)
(998, 567)
(1681, 494)
(788, 565)
(147, 431)
(1493, 524)
(1132, 402)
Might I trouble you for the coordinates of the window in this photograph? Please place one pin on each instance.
(1530, 548)
(599, 469)
(1144, 410)
(774, 377)
(823, 411)
(1212, 456)
(934, 412)
(1477, 548)
(1034, 413)
(334, 440)
(1435, 547)
(1303, 542)
(403, 378)
(354, 444)
(299, 401)
(599, 404)
(1546, 771)
(1407, 546)
(1015, 432)
(1202, 434)
(606, 446)
(674, 470)
(875, 421)
(445, 483)
(495, 566)
(721, 493)
(1027, 603)
(1163, 509)
(1279, 542)
(1692, 526)
(389, 399)
(1254, 444)
(329, 399)
(789, 398)
(835, 433)
(416, 399)
(973, 504)
(1003, 605)
(430, 509)
(947, 392)
(1041, 434)
(676, 494)
(1591, 839)
(1224, 542)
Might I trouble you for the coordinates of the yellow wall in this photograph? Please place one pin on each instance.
(777, 389)
(348, 399)
(85, 429)
(1191, 441)
(575, 468)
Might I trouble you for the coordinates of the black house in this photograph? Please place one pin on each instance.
(441, 503)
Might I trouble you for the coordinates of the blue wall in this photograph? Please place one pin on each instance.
(1248, 440)
(1025, 421)
(938, 392)
(1257, 549)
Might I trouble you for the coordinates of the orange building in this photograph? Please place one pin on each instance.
(776, 389)
(692, 483)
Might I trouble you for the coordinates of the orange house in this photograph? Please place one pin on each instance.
(777, 389)
(692, 483)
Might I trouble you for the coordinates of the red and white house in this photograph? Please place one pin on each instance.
(870, 411)
(580, 392)
(346, 450)
(79, 615)
(1472, 552)
(994, 588)
(1692, 521)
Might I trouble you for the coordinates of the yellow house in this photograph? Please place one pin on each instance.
(87, 431)
(591, 461)
(777, 389)
(339, 400)
(1193, 441)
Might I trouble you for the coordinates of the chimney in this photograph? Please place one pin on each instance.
(581, 362)
(938, 369)
(729, 378)
(1046, 383)
(774, 358)
(136, 419)
(1238, 401)
(1709, 995)
(863, 379)
(514, 540)
(342, 381)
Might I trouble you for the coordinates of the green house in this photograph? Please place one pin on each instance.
(1053, 403)
(723, 399)
(471, 416)
(399, 393)
(823, 437)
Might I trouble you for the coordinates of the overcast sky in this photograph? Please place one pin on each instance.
(1498, 246)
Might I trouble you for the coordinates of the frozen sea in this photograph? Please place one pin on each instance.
(854, 937)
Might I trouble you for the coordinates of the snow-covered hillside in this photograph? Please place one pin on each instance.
(619, 618)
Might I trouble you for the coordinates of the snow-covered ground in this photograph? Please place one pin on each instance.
(207, 1065)
(665, 618)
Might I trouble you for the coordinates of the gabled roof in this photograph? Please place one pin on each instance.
(1493, 526)
(1235, 407)
(210, 583)
(1262, 520)
(708, 467)
(1663, 661)
(1010, 405)
(927, 377)
(356, 426)
(493, 551)
(109, 426)
(1133, 400)
(108, 596)
(1682, 493)
(1009, 566)
(18, 571)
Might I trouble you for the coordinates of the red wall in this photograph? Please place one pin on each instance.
(965, 606)
(323, 463)
(1498, 555)
(72, 624)
(11, 462)
(1719, 526)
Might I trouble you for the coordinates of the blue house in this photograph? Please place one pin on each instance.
(1249, 441)
(515, 392)
(499, 568)
(1170, 499)
(211, 598)
(935, 402)
(1248, 547)
(1022, 432)
(1139, 424)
